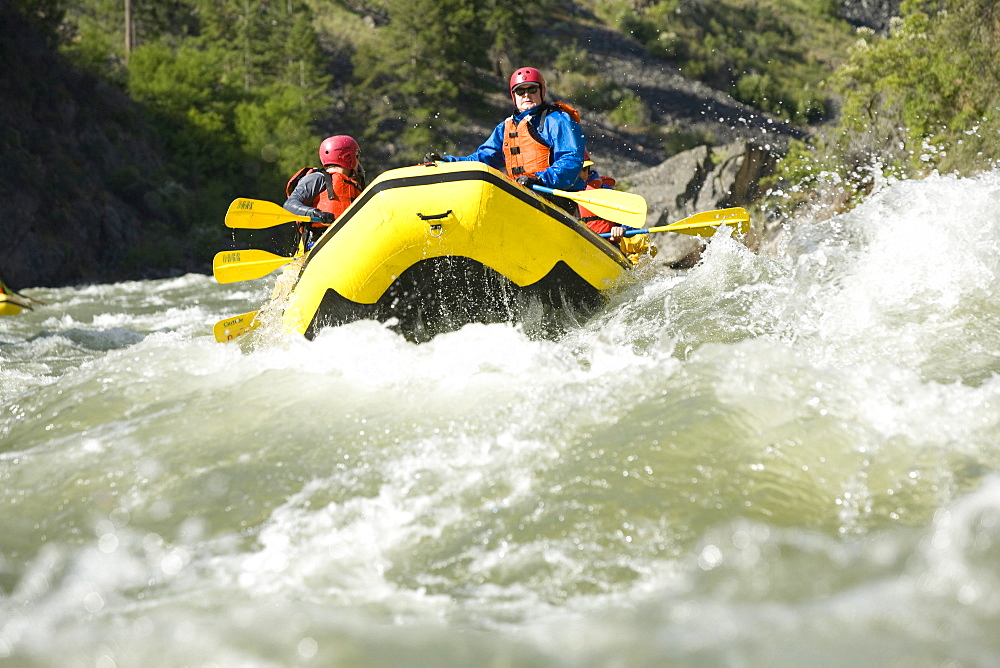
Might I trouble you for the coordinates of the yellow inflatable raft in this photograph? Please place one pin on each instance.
(435, 247)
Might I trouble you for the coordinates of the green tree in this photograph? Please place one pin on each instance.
(47, 15)
(236, 95)
(429, 68)
(182, 89)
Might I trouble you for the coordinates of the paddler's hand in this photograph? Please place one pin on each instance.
(325, 217)
(528, 180)
(617, 233)
(432, 157)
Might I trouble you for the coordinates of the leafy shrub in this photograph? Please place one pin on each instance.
(676, 140)
(589, 90)
(925, 98)
(631, 112)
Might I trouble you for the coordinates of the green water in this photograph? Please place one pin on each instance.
(787, 458)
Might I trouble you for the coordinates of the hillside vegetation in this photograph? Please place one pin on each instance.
(232, 96)
(774, 55)
(925, 98)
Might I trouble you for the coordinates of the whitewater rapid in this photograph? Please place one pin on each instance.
(776, 458)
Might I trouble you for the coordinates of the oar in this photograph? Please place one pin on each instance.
(626, 208)
(245, 265)
(6, 289)
(230, 328)
(256, 214)
(18, 294)
(700, 224)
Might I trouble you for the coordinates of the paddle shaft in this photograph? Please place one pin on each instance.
(18, 294)
(700, 224)
(632, 233)
(6, 289)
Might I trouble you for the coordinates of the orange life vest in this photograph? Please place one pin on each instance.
(524, 150)
(340, 191)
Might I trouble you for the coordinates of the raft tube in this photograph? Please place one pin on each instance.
(435, 247)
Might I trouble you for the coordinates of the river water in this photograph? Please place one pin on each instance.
(787, 458)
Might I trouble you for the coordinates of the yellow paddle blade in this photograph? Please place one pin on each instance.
(619, 207)
(245, 265)
(255, 214)
(704, 224)
(230, 328)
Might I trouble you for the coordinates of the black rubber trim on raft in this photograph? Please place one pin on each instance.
(442, 294)
(500, 181)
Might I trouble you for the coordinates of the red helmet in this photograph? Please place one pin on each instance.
(339, 150)
(526, 75)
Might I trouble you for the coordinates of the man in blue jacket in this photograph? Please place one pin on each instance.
(541, 144)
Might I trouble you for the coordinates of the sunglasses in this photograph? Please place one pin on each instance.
(526, 90)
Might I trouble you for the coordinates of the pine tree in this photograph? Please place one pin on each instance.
(431, 65)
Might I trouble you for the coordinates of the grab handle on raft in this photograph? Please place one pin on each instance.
(434, 216)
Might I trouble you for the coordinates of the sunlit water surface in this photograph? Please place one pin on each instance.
(786, 458)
